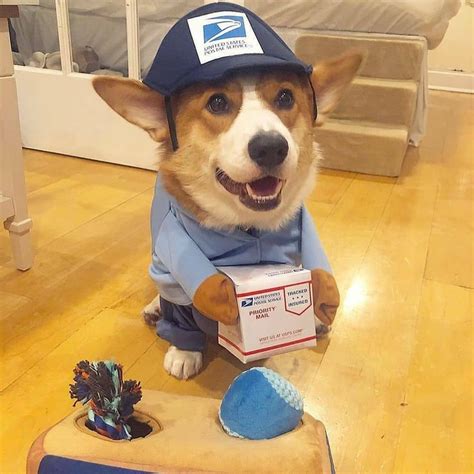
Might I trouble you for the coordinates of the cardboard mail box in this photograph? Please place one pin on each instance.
(275, 311)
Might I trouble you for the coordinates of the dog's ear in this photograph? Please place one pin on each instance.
(136, 103)
(330, 79)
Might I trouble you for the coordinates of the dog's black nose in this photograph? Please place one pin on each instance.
(268, 149)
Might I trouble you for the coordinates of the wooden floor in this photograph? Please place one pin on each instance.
(394, 385)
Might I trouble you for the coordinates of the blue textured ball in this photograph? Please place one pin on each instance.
(260, 404)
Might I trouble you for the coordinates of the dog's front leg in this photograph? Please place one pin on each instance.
(182, 364)
(152, 311)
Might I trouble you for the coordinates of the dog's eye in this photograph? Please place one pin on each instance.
(218, 104)
(284, 99)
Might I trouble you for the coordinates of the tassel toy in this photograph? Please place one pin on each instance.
(110, 399)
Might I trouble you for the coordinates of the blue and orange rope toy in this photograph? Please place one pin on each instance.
(110, 399)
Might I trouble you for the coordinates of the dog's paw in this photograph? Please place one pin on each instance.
(182, 364)
(152, 312)
(322, 331)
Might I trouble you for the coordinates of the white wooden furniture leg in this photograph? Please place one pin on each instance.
(13, 204)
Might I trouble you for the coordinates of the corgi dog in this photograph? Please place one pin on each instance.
(247, 159)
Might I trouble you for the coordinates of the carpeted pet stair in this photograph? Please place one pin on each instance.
(368, 132)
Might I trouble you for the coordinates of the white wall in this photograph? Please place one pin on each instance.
(456, 52)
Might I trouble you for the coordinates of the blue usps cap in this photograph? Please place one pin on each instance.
(209, 43)
(214, 40)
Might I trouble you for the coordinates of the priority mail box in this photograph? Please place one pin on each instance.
(275, 311)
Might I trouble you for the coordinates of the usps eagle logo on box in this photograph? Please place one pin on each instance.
(246, 302)
(222, 34)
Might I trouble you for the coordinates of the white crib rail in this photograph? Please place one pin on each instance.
(64, 35)
(133, 41)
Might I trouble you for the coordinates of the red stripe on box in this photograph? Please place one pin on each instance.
(268, 290)
(266, 349)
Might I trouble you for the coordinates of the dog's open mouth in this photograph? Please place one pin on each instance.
(262, 194)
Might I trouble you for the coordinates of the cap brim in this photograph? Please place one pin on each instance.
(223, 67)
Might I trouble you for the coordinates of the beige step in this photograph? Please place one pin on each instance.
(388, 57)
(385, 101)
(362, 147)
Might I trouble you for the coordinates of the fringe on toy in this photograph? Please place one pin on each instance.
(110, 399)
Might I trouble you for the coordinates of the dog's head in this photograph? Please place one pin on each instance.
(246, 156)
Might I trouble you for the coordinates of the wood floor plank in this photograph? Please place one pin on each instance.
(69, 203)
(320, 211)
(451, 251)
(331, 185)
(437, 426)
(330, 188)
(43, 169)
(11, 302)
(348, 231)
(439, 110)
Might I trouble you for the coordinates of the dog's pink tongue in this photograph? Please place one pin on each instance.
(265, 186)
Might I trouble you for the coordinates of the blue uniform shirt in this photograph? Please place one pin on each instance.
(185, 253)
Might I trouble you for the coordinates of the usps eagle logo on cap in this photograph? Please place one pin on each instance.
(223, 27)
(221, 34)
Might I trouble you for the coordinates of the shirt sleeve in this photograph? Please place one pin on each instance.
(186, 262)
(312, 252)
